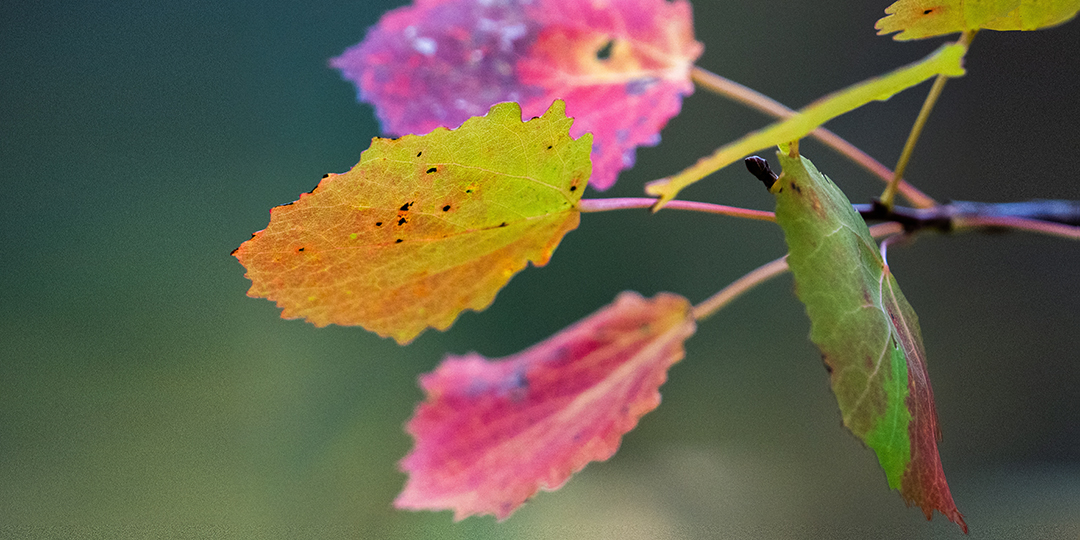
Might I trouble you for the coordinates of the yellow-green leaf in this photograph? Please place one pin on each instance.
(424, 227)
(946, 60)
(918, 19)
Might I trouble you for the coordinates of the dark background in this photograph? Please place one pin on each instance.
(143, 394)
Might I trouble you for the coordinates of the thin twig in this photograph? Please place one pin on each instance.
(1052, 217)
(1017, 223)
(758, 101)
(764, 273)
(893, 186)
(738, 287)
(604, 205)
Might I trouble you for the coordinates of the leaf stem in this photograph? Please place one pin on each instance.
(1018, 223)
(888, 196)
(738, 287)
(764, 273)
(625, 203)
(765, 104)
(954, 217)
(946, 59)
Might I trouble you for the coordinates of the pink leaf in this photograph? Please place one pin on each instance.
(494, 432)
(622, 67)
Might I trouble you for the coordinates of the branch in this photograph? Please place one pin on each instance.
(624, 203)
(1053, 217)
(760, 102)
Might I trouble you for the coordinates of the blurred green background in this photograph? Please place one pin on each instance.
(142, 394)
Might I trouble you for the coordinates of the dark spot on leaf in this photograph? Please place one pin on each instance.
(402, 221)
(549, 147)
(603, 53)
(517, 388)
(418, 153)
(398, 241)
(405, 207)
(573, 188)
(378, 224)
(503, 224)
(468, 191)
(927, 12)
(446, 208)
(431, 170)
(796, 188)
(639, 86)
(298, 250)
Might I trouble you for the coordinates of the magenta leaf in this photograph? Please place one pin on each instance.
(494, 432)
(621, 67)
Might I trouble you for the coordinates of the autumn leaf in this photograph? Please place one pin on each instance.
(918, 19)
(946, 60)
(494, 432)
(867, 332)
(423, 227)
(621, 66)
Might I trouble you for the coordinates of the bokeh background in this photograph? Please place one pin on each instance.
(142, 394)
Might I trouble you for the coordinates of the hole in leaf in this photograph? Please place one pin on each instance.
(431, 170)
(446, 208)
(603, 53)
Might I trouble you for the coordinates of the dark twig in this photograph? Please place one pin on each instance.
(945, 217)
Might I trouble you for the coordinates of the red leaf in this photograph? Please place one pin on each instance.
(494, 432)
(622, 67)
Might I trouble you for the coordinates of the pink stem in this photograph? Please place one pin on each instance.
(625, 203)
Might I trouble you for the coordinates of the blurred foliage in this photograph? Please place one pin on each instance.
(142, 394)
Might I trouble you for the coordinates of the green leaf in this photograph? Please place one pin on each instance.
(867, 332)
(424, 227)
(918, 19)
(946, 60)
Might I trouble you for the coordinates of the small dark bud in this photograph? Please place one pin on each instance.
(760, 169)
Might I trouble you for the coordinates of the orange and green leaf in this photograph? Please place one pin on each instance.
(424, 227)
(918, 19)
(492, 433)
